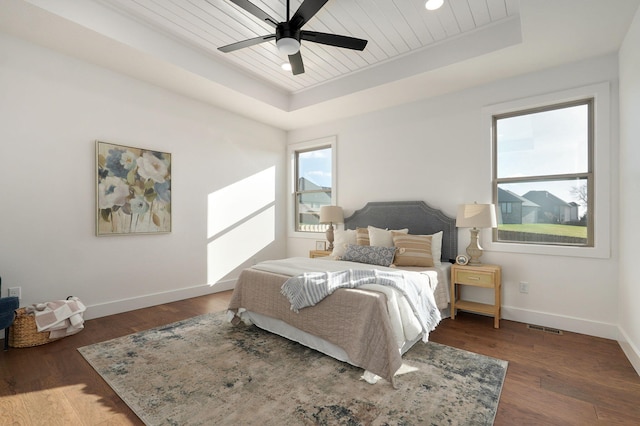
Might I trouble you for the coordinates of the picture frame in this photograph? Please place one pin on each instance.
(133, 190)
(321, 245)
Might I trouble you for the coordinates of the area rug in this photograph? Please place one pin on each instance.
(205, 371)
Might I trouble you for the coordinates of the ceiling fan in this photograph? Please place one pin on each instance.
(289, 33)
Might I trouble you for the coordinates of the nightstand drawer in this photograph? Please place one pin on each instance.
(474, 278)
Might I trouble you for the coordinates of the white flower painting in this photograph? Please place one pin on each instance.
(133, 190)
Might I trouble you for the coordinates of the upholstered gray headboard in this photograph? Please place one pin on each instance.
(417, 216)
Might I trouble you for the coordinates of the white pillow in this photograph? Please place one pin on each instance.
(436, 248)
(382, 237)
(342, 238)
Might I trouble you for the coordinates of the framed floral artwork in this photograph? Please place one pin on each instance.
(133, 190)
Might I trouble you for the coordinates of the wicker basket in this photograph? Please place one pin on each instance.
(24, 332)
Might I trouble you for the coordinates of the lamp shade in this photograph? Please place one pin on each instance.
(331, 214)
(476, 216)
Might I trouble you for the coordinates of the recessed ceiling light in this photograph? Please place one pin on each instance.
(433, 4)
(286, 66)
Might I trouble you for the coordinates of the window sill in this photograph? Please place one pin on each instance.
(309, 235)
(550, 250)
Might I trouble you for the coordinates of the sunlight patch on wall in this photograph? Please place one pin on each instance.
(240, 223)
(235, 247)
(235, 202)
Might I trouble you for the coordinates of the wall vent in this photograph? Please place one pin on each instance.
(545, 329)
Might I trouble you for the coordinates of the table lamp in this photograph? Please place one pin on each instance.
(331, 215)
(476, 216)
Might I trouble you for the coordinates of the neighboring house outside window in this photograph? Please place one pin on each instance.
(543, 174)
(313, 179)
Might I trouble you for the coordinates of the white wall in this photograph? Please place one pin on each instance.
(52, 109)
(630, 190)
(438, 151)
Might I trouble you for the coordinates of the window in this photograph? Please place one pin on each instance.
(506, 207)
(543, 175)
(313, 182)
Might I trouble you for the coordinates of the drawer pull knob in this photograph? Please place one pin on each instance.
(474, 278)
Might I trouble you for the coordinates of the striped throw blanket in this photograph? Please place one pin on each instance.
(311, 287)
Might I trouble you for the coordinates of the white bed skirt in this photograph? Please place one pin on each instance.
(283, 329)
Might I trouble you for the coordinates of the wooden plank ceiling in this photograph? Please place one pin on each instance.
(394, 28)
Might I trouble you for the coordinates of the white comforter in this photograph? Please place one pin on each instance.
(405, 324)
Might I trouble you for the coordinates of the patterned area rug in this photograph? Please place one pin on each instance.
(204, 371)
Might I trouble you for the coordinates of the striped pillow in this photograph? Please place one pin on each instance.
(383, 237)
(362, 236)
(413, 250)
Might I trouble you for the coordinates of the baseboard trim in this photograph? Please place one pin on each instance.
(561, 322)
(629, 349)
(124, 305)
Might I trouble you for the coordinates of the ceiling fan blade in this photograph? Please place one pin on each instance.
(334, 40)
(246, 43)
(305, 12)
(297, 67)
(255, 11)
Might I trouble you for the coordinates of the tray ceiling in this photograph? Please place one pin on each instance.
(394, 28)
(412, 54)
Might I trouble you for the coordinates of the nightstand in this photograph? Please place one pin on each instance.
(319, 253)
(487, 276)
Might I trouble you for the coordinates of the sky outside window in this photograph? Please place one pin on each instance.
(553, 142)
(315, 166)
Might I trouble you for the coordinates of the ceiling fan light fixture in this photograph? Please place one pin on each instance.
(433, 4)
(288, 46)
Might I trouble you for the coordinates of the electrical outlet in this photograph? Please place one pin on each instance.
(524, 287)
(15, 292)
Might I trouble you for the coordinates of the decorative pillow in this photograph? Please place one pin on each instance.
(382, 237)
(341, 238)
(417, 250)
(382, 256)
(362, 236)
(436, 248)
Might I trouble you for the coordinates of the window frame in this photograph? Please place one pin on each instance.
(588, 175)
(292, 153)
(600, 213)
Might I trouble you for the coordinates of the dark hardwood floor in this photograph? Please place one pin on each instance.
(570, 379)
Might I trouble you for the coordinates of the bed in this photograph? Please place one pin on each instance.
(369, 326)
